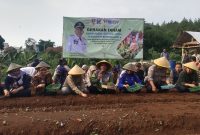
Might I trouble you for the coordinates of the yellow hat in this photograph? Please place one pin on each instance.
(191, 65)
(76, 70)
(129, 66)
(13, 66)
(42, 64)
(109, 66)
(162, 62)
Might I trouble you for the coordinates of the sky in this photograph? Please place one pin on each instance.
(43, 19)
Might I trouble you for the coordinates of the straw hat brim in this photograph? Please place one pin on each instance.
(42, 65)
(191, 65)
(129, 66)
(109, 66)
(162, 62)
(12, 67)
(76, 70)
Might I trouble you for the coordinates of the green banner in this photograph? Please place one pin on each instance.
(113, 38)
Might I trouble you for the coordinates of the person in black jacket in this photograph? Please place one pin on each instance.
(17, 82)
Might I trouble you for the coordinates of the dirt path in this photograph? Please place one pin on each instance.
(120, 114)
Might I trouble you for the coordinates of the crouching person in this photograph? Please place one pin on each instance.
(188, 78)
(157, 75)
(41, 79)
(128, 78)
(17, 82)
(102, 79)
(74, 82)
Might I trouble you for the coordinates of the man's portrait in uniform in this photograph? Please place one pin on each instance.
(77, 43)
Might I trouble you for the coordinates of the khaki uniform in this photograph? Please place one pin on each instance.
(75, 83)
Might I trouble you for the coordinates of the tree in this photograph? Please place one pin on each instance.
(30, 44)
(1, 43)
(43, 45)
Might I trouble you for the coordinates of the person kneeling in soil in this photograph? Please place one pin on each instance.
(74, 82)
(42, 78)
(157, 75)
(17, 83)
(188, 78)
(102, 77)
(129, 78)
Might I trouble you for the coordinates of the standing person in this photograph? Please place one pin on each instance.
(157, 75)
(174, 74)
(188, 77)
(197, 56)
(74, 82)
(17, 83)
(129, 78)
(77, 43)
(185, 57)
(165, 54)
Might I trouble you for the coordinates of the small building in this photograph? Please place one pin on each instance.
(187, 40)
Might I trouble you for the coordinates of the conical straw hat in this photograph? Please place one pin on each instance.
(162, 62)
(13, 66)
(109, 66)
(129, 66)
(191, 65)
(76, 70)
(42, 64)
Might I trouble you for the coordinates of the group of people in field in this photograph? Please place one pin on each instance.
(100, 78)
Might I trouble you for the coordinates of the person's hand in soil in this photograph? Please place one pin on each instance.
(126, 86)
(83, 95)
(6, 93)
(14, 91)
(154, 89)
(41, 85)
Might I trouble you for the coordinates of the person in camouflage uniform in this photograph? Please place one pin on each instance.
(74, 82)
(102, 76)
(42, 78)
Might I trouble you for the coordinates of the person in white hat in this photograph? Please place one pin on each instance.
(42, 78)
(129, 78)
(74, 82)
(17, 83)
(188, 77)
(157, 75)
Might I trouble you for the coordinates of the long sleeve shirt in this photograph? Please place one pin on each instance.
(129, 79)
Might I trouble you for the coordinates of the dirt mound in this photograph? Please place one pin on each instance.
(116, 114)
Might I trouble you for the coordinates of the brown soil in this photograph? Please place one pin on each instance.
(116, 114)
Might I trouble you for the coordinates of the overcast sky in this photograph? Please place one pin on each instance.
(43, 19)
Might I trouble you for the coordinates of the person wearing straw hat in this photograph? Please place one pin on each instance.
(129, 78)
(74, 82)
(188, 77)
(17, 82)
(42, 78)
(102, 76)
(157, 75)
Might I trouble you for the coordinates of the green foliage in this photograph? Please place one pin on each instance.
(43, 45)
(163, 36)
(1, 43)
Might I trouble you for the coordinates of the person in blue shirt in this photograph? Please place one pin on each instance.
(128, 78)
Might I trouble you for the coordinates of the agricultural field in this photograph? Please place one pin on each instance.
(118, 114)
